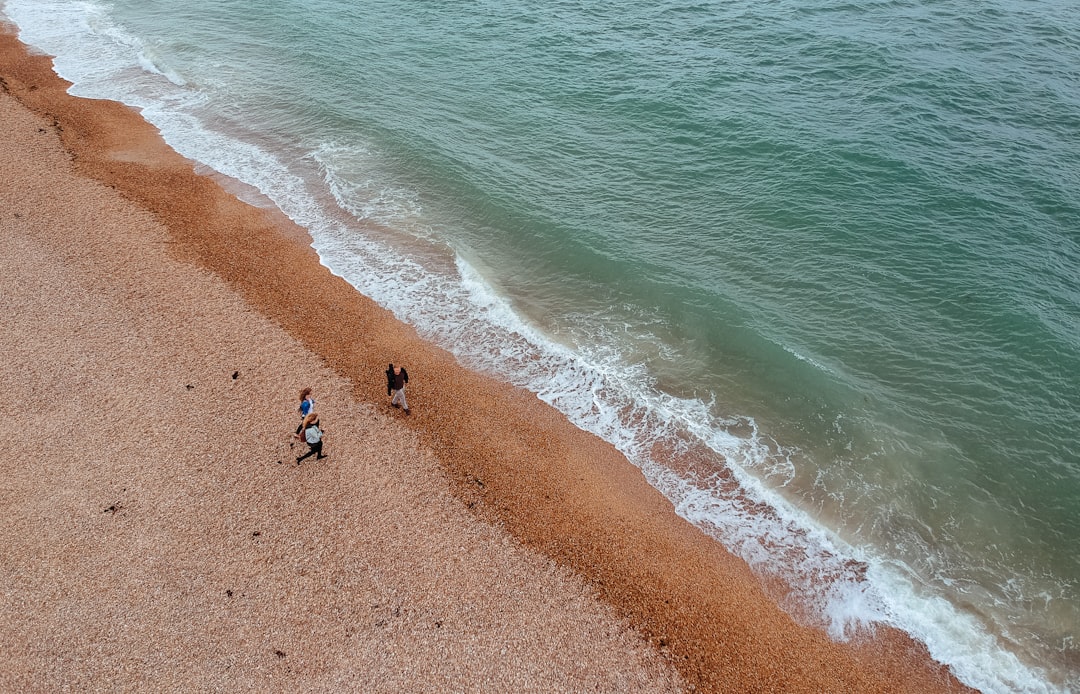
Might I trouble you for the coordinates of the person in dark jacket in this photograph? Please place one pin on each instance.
(396, 378)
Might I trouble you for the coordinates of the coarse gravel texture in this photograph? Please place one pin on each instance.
(156, 533)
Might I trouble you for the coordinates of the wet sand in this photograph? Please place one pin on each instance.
(158, 534)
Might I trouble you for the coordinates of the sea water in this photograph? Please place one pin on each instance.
(813, 266)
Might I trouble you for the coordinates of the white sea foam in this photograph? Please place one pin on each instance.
(148, 62)
(595, 387)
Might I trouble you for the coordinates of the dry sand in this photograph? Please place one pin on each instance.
(156, 533)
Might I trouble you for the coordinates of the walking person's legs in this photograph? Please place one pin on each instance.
(313, 448)
(399, 398)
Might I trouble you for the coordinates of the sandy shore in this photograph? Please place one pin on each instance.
(157, 533)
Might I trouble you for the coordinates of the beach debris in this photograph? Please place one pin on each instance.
(190, 387)
(113, 509)
(235, 375)
(279, 653)
(228, 593)
(256, 533)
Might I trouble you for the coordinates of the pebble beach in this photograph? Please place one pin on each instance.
(159, 536)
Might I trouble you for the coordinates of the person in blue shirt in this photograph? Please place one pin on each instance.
(307, 406)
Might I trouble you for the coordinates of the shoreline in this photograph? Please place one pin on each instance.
(512, 460)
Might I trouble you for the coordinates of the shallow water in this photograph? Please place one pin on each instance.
(822, 256)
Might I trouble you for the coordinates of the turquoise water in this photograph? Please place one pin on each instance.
(814, 267)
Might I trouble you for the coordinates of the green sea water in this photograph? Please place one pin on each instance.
(818, 258)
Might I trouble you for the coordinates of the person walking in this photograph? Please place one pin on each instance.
(313, 436)
(307, 406)
(396, 378)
